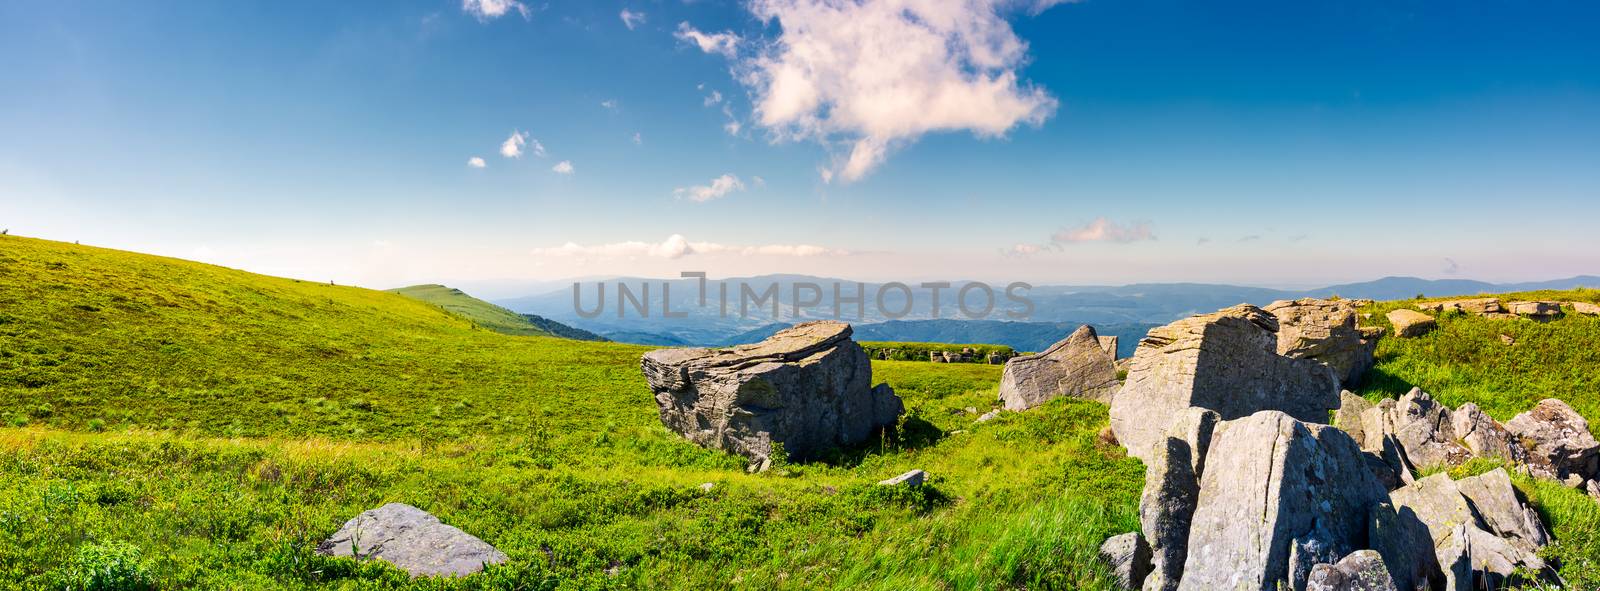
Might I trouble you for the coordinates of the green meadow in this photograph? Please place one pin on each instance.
(169, 424)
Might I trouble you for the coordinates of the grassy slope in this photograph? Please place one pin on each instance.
(548, 448)
(481, 313)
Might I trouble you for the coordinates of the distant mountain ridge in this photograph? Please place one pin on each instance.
(490, 316)
(1142, 304)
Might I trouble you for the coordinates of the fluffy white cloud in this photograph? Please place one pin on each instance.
(512, 147)
(676, 246)
(476, 162)
(563, 167)
(631, 19)
(718, 188)
(492, 9)
(713, 98)
(725, 43)
(877, 75)
(1104, 230)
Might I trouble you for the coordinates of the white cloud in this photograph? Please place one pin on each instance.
(563, 167)
(609, 104)
(1023, 249)
(631, 19)
(758, 182)
(476, 162)
(1104, 230)
(512, 147)
(676, 246)
(637, 139)
(718, 188)
(487, 10)
(714, 98)
(876, 76)
(725, 43)
(732, 127)
(536, 147)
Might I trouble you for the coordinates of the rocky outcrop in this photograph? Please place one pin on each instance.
(1473, 552)
(808, 387)
(1558, 441)
(1110, 346)
(413, 540)
(1486, 437)
(1227, 362)
(1326, 331)
(1478, 306)
(1078, 366)
(1129, 559)
(1410, 323)
(1171, 492)
(1585, 308)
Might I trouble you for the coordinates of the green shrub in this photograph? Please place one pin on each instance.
(113, 566)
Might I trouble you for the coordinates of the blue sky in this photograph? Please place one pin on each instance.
(1093, 142)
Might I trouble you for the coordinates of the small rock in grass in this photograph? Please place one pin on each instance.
(1410, 323)
(706, 487)
(912, 478)
(986, 417)
(1505, 338)
(1129, 558)
(413, 540)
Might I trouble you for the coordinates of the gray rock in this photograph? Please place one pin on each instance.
(1324, 330)
(1471, 555)
(1348, 417)
(1484, 436)
(1405, 545)
(988, 416)
(1478, 306)
(1426, 432)
(412, 540)
(1226, 361)
(1109, 344)
(1503, 510)
(1129, 559)
(1585, 308)
(1410, 323)
(808, 387)
(1076, 366)
(1171, 491)
(1362, 570)
(1558, 440)
(1269, 480)
(1536, 309)
(912, 478)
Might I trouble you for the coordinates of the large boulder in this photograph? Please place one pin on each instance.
(1077, 366)
(413, 540)
(1585, 308)
(1558, 440)
(1277, 496)
(1226, 361)
(1410, 323)
(1486, 437)
(808, 387)
(1536, 310)
(1324, 330)
(1475, 554)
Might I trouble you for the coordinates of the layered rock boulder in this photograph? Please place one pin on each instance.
(1326, 331)
(808, 387)
(413, 540)
(1410, 323)
(1538, 310)
(1227, 362)
(1585, 308)
(1558, 440)
(1078, 366)
(1478, 306)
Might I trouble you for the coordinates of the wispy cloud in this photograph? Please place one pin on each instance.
(1250, 238)
(718, 188)
(610, 104)
(876, 76)
(1450, 266)
(563, 167)
(637, 138)
(486, 10)
(631, 19)
(512, 147)
(676, 246)
(476, 162)
(713, 98)
(1104, 230)
(725, 43)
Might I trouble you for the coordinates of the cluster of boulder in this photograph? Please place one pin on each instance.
(1246, 488)
(967, 355)
(1411, 323)
(807, 388)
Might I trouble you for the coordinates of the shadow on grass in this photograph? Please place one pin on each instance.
(912, 433)
(1381, 381)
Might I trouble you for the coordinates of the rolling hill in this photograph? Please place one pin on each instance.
(493, 317)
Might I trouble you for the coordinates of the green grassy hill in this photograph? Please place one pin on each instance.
(183, 425)
(481, 313)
